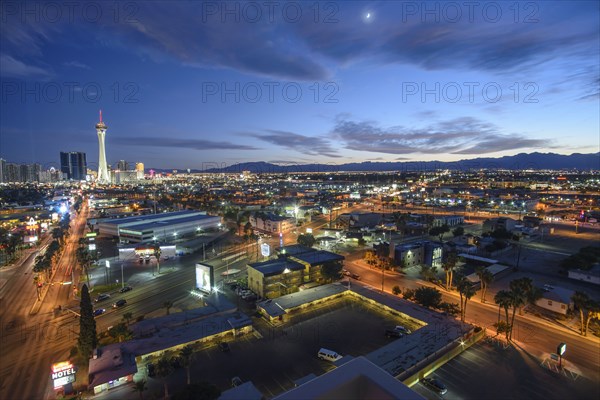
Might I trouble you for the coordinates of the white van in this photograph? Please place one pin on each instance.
(328, 355)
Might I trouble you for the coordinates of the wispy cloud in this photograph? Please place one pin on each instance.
(195, 144)
(458, 136)
(11, 67)
(315, 146)
(76, 64)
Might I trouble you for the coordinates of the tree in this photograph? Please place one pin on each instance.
(127, 317)
(163, 369)
(409, 294)
(120, 332)
(332, 271)
(580, 301)
(88, 339)
(458, 231)
(485, 277)
(449, 265)
(466, 291)
(439, 231)
(428, 297)
(504, 300)
(450, 308)
(157, 253)
(396, 290)
(168, 305)
(139, 387)
(593, 313)
(428, 273)
(187, 354)
(306, 239)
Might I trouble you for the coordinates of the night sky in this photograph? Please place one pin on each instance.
(185, 83)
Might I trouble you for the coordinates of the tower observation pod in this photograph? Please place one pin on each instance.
(101, 128)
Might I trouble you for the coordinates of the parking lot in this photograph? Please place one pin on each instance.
(289, 352)
(490, 371)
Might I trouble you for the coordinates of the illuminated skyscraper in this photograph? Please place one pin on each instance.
(103, 176)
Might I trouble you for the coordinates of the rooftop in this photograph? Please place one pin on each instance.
(111, 364)
(276, 266)
(318, 257)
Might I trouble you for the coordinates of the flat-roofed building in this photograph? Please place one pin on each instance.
(159, 227)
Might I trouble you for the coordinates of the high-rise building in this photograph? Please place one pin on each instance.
(139, 168)
(123, 165)
(101, 128)
(2, 170)
(74, 165)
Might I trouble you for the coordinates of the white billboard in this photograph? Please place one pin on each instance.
(265, 250)
(205, 279)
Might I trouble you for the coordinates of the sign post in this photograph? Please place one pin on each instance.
(560, 350)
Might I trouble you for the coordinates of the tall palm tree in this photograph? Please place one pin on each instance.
(163, 370)
(581, 301)
(139, 387)
(593, 313)
(485, 277)
(187, 355)
(523, 288)
(448, 266)
(466, 291)
(167, 305)
(504, 300)
(518, 299)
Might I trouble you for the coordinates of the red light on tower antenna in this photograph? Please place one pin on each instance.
(100, 115)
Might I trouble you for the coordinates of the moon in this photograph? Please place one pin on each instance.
(368, 15)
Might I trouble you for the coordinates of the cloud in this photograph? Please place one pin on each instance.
(196, 144)
(76, 64)
(457, 136)
(315, 146)
(11, 67)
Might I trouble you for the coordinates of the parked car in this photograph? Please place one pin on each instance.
(346, 272)
(355, 276)
(435, 385)
(402, 329)
(393, 333)
(125, 289)
(102, 297)
(120, 303)
(236, 381)
(224, 347)
(99, 311)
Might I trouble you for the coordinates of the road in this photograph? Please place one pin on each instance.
(35, 337)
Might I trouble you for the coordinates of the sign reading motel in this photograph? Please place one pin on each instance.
(62, 374)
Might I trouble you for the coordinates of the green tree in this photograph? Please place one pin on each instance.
(120, 332)
(139, 387)
(466, 291)
(306, 239)
(458, 231)
(88, 339)
(448, 266)
(504, 300)
(429, 273)
(428, 297)
(168, 305)
(409, 294)
(332, 271)
(588, 310)
(396, 290)
(187, 355)
(127, 317)
(485, 277)
(450, 308)
(163, 369)
(439, 231)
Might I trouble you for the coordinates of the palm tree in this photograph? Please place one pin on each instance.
(448, 266)
(157, 252)
(168, 304)
(485, 277)
(581, 301)
(139, 387)
(127, 317)
(187, 354)
(593, 313)
(466, 290)
(504, 300)
(163, 369)
(518, 299)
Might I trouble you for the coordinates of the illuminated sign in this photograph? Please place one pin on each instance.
(561, 349)
(91, 234)
(308, 230)
(63, 373)
(205, 278)
(265, 249)
(92, 247)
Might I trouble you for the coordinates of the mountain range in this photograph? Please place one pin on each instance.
(521, 161)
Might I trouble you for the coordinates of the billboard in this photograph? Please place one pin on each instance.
(63, 373)
(205, 277)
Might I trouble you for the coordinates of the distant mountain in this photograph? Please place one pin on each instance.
(575, 161)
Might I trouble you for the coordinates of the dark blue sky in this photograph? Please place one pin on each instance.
(182, 84)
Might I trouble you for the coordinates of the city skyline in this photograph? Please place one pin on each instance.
(339, 83)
